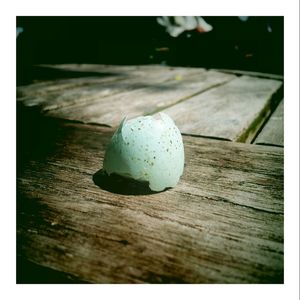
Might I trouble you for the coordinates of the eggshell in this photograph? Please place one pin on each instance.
(147, 149)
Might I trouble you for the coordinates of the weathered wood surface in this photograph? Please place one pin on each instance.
(251, 73)
(110, 80)
(231, 111)
(204, 103)
(98, 68)
(222, 223)
(96, 74)
(272, 133)
(110, 110)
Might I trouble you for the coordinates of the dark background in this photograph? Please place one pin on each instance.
(232, 44)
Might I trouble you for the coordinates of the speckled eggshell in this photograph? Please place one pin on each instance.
(147, 149)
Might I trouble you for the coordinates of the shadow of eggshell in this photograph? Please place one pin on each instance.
(120, 185)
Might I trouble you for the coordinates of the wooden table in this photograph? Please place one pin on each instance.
(222, 223)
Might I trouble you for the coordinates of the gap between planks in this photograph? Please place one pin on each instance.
(187, 98)
(127, 78)
(254, 74)
(272, 133)
(111, 109)
(185, 108)
(233, 111)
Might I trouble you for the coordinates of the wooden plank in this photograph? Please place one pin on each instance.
(130, 68)
(59, 85)
(251, 73)
(61, 93)
(223, 222)
(111, 109)
(92, 74)
(231, 111)
(100, 68)
(90, 67)
(272, 133)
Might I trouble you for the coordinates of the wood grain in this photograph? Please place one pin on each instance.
(138, 70)
(100, 74)
(252, 73)
(110, 80)
(223, 222)
(146, 100)
(272, 133)
(231, 111)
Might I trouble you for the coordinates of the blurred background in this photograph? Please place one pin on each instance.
(240, 43)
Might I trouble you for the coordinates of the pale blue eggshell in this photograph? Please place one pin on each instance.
(147, 149)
